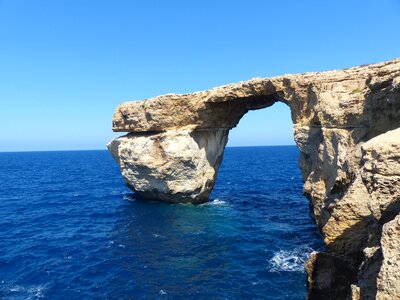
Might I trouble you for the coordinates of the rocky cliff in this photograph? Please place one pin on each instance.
(347, 128)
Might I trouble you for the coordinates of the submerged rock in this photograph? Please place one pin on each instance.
(346, 128)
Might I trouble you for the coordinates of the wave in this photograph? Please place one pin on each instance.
(290, 260)
(21, 292)
(214, 202)
(129, 198)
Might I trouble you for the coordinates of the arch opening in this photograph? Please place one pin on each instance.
(270, 126)
(261, 182)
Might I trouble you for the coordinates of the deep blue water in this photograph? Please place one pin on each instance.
(69, 228)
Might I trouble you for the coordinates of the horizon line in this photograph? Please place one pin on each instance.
(105, 149)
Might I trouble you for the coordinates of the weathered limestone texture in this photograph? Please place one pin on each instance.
(173, 166)
(347, 128)
(389, 275)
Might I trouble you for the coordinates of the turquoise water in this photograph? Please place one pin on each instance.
(71, 229)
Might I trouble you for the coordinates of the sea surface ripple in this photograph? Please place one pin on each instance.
(71, 229)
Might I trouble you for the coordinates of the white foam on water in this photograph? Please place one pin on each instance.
(214, 202)
(17, 288)
(37, 292)
(129, 198)
(217, 202)
(185, 204)
(162, 292)
(290, 260)
(33, 292)
(156, 235)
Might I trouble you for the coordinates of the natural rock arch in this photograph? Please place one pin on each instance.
(180, 164)
(175, 145)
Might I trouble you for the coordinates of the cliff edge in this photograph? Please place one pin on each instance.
(347, 128)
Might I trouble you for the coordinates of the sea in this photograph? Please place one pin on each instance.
(71, 229)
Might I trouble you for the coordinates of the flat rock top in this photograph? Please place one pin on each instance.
(195, 110)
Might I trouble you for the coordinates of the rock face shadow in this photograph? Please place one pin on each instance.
(346, 126)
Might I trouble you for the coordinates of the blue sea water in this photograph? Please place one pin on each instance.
(70, 229)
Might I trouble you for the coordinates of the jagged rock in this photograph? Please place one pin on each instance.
(348, 156)
(389, 276)
(326, 277)
(381, 174)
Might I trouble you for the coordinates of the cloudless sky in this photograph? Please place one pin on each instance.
(66, 65)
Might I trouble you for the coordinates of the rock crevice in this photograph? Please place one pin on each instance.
(347, 128)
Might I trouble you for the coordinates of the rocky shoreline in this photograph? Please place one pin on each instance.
(347, 128)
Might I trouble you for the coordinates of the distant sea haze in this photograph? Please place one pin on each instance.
(71, 229)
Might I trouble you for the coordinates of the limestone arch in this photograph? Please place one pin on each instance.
(175, 142)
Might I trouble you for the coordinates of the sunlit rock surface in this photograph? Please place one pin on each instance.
(345, 125)
(173, 166)
(389, 275)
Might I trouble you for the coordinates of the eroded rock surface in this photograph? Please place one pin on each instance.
(346, 128)
(173, 166)
(389, 275)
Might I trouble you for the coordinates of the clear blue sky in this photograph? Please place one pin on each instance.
(66, 65)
